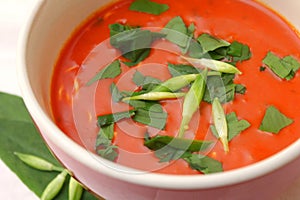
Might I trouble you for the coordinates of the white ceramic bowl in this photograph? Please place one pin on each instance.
(45, 33)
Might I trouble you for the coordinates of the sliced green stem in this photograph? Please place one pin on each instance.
(155, 96)
(75, 189)
(54, 187)
(214, 65)
(192, 101)
(220, 122)
(37, 162)
(175, 83)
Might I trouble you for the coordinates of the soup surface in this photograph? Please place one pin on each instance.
(76, 104)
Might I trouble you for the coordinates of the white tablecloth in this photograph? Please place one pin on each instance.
(12, 16)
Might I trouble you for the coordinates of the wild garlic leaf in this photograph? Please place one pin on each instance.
(168, 148)
(157, 142)
(274, 121)
(146, 82)
(176, 32)
(235, 126)
(19, 134)
(115, 93)
(148, 6)
(104, 146)
(211, 43)
(239, 51)
(284, 68)
(222, 87)
(181, 69)
(204, 164)
(151, 117)
(110, 71)
(105, 120)
(133, 42)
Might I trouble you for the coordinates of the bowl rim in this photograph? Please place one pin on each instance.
(155, 180)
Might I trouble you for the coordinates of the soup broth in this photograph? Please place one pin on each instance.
(77, 102)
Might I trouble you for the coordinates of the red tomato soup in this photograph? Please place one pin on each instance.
(77, 102)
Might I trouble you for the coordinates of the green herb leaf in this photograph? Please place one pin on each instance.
(235, 126)
(210, 43)
(204, 164)
(239, 51)
(147, 105)
(104, 146)
(105, 120)
(146, 82)
(274, 121)
(151, 117)
(293, 63)
(176, 32)
(159, 142)
(110, 71)
(180, 69)
(133, 42)
(148, 6)
(115, 93)
(19, 134)
(222, 87)
(284, 68)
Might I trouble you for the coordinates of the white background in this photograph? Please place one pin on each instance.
(13, 14)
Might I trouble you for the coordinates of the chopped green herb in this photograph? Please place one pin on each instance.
(225, 93)
(274, 121)
(192, 101)
(115, 93)
(146, 82)
(176, 32)
(105, 120)
(284, 68)
(295, 65)
(110, 71)
(262, 68)
(220, 123)
(104, 146)
(147, 105)
(133, 42)
(210, 43)
(158, 142)
(240, 89)
(180, 69)
(151, 118)
(204, 164)
(239, 51)
(148, 6)
(109, 152)
(169, 148)
(235, 126)
(222, 87)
